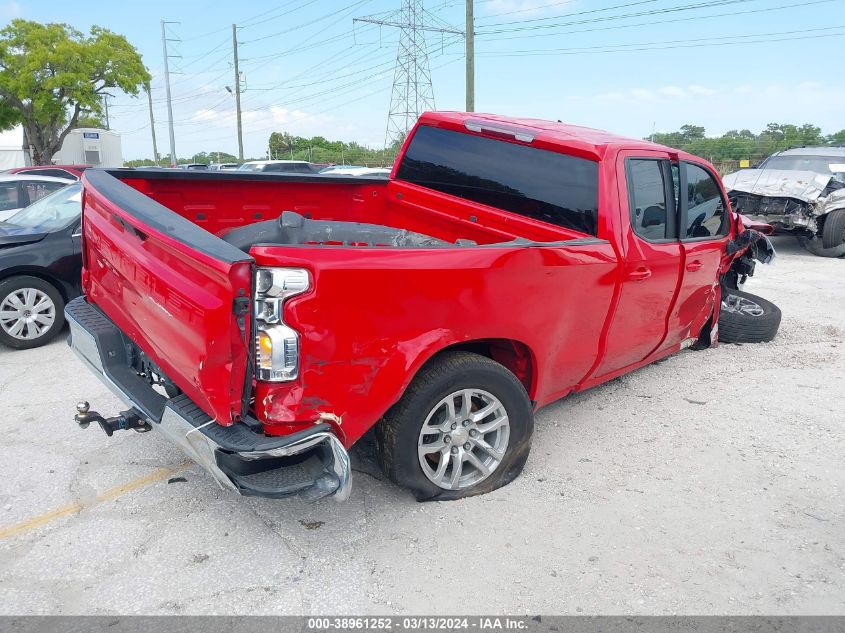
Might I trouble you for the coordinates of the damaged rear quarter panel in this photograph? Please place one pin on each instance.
(374, 316)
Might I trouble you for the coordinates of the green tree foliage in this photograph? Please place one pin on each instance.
(318, 149)
(50, 74)
(91, 120)
(736, 145)
(207, 158)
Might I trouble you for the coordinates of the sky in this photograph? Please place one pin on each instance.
(629, 66)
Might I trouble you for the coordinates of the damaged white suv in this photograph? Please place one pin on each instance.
(799, 191)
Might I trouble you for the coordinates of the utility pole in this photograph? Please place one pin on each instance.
(106, 106)
(152, 124)
(173, 162)
(238, 93)
(470, 42)
(412, 92)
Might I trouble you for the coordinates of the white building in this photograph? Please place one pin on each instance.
(82, 146)
(90, 146)
(13, 152)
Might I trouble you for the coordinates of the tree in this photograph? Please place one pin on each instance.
(281, 143)
(91, 120)
(836, 137)
(691, 132)
(50, 74)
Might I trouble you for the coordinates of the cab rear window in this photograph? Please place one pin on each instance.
(535, 183)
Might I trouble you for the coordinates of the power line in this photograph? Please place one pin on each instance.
(412, 91)
(671, 44)
(615, 27)
(687, 7)
(543, 6)
(299, 27)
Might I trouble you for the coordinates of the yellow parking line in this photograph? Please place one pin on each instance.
(74, 508)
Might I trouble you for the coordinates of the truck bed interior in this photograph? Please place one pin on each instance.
(248, 209)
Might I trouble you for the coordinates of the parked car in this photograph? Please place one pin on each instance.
(223, 166)
(280, 166)
(19, 190)
(70, 172)
(195, 166)
(506, 264)
(799, 191)
(349, 170)
(40, 265)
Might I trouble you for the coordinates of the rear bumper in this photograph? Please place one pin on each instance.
(311, 463)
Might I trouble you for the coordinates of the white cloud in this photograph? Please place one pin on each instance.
(738, 106)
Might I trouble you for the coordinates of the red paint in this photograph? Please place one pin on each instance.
(562, 317)
(158, 285)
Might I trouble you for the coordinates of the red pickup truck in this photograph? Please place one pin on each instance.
(266, 322)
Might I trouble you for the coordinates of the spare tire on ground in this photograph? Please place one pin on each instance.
(747, 318)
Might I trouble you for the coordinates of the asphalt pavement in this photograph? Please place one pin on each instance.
(709, 483)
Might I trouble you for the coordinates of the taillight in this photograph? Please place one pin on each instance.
(276, 344)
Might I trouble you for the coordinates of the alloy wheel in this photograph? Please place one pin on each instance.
(741, 305)
(463, 439)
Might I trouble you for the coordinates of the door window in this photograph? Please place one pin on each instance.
(9, 196)
(647, 199)
(705, 210)
(37, 190)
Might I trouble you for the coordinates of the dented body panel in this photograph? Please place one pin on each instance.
(562, 309)
(790, 200)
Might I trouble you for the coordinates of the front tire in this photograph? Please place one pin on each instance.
(31, 312)
(462, 428)
(833, 231)
(747, 318)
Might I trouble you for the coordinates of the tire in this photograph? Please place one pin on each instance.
(814, 245)
(449, 376)
(747, 318)
(833, 232)
(17, 292)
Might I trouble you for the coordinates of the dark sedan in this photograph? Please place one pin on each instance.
(40, 267)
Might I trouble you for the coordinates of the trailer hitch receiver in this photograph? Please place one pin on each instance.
(125, 421)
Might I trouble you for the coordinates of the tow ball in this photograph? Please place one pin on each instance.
(123, 422)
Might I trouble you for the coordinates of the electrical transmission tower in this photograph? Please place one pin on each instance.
(412, 92)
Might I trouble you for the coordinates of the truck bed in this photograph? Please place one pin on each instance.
(222, 201)
(439, 271)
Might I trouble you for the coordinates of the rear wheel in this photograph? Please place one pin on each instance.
(462, 428)
(747, 318)
(31, 312)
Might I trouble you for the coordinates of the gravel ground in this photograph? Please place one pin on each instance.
(709, 483)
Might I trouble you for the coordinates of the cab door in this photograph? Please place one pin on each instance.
(704, 232)
(652, 260)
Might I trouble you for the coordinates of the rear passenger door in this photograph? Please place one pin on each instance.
(652, 260)
(704, 228)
